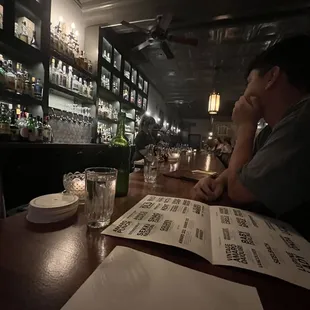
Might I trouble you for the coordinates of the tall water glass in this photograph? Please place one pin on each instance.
(150, 169)
(99, 195)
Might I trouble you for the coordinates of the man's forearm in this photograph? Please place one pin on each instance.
(242, 154)
(223, 178)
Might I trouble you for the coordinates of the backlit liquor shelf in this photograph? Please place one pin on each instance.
(46, 76)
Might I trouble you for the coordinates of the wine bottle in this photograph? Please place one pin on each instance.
(123, 152)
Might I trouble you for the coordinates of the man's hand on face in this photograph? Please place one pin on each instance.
(207, 189)
(247, 112)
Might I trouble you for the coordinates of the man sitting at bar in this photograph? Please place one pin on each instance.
(273, 177)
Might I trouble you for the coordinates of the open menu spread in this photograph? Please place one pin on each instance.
(222, 235)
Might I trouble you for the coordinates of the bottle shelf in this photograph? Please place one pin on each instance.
(14, 98)
(106, 120)
(58, 90)
(71, 62)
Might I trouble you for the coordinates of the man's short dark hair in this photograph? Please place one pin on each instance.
(292, 55)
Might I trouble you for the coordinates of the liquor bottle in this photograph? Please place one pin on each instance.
(24, 35)
(105, 54)
(90, 66)
(34, 42)
(2, 72)
(1, 17)
(80, 86)
(80, 60)
(17, 112)
(16, 30)
(99, 136)
(90, 90)
(39, 129)
(14, 128)
(52, 36)
(64, 77)
(10, 77)
(52, 71)
(59, 73)
(70, 78)
(27, 84)
(75, 84)
(47, 131)
(121, 143)
(38, 90)
(22, 125)
(108, 57)
(85, 65)
(19, 79)
(31, 128)
(4, 124)
(84, 88)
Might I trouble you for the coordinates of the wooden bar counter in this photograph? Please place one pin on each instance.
(42, 266)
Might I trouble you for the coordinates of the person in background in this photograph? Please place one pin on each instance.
(272, 175)
(144, 137)
(219, 147)
(226, 149)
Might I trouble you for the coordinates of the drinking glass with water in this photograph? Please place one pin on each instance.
(99, 195)
(150, 165)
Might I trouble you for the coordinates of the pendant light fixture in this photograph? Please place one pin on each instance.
(214, 103)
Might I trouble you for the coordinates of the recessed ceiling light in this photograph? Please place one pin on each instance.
(171, 73)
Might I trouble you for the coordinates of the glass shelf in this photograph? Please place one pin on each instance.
(105, 78)
(127, 70)
(116, 85)
(117, 60)
(27, 26)
(126, 92)
(133, 96)
(106, 50)
(134, 76)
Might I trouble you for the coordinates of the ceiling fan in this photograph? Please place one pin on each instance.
(159, 34)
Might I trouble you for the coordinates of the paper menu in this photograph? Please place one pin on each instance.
(222, 235)
(247, 240)
(128, 279)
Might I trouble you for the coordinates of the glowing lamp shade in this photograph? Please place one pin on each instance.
(214, 103)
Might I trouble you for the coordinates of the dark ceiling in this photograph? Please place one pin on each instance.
(226, 44)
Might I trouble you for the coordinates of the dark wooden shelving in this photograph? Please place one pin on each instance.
(15, 98)
(19, 50)
(71, 62)
(61, 90)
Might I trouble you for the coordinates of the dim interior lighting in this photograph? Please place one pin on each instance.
(214, 103)
(211, 134)
(147, 113)
(165, 124)
(73, 26)
(158, 119)
(61, 19)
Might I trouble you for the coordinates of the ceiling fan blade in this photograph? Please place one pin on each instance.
(142, 46)
(134, 27)
(166, 49)
(183, 40)
(165, 21)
